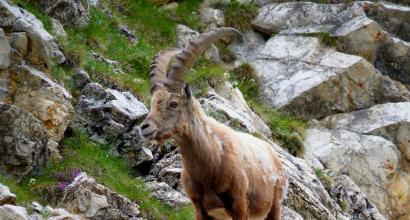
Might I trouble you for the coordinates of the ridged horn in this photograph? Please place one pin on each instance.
(159, 65)
(186, 59)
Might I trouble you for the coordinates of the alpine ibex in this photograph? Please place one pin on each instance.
(227, 174)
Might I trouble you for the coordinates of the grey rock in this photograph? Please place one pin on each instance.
(35, 216)
(303, 16)
(37, 93)
(212, 18)
(61, 214)
(355, 202)
(42, 47)
(81, 78)
(301, 76)
(366, 38)
(23, 143)
(4, 51)
(11, 212)
(68, 12)
(289, 214)
(111, 116)
(91, 200)
(392, 17)
(58, 28)
(168, 170)
(19, 41)
(167, 194)
(6, 197)
(245, 50)
(186, 34)
(390, 120)
(371, 161)
(306, 195)
(234, 112)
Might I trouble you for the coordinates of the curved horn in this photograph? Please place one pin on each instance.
(159, 65)
(186, 59)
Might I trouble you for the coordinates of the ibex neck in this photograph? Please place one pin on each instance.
(200, 148)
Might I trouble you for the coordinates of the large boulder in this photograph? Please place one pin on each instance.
(390, 120)
(11, 212)
(299, 17)
(24, 143)
(371, 161)
(6, 197)
(366, 38)
(109, 115)
(394, 18)
(91, 200)
(301, 76)
(68, 12)
(42, 47)
(37, 93)
(244, 50)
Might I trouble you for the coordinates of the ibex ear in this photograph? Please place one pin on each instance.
(187, 92)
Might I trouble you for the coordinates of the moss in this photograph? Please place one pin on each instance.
(238, 15)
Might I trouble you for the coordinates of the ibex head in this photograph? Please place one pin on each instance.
(171, 104)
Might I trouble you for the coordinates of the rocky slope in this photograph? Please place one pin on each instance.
(344, 68)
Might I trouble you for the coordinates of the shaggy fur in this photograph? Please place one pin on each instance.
(227, 174)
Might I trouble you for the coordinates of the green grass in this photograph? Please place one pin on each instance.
(205, 74)
(97, 161)
(188, 13)
(238, 15)
(325, 38)
(287, 130)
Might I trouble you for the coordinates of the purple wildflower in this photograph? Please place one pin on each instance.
(62, 185)
(74, 173)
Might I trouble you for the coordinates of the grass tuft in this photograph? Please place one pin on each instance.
(238, 15)
(325, 38)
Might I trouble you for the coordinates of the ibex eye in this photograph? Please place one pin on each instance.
(173, 104)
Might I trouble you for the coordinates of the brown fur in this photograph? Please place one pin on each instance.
(226, 173)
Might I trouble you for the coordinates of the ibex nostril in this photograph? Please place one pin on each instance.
(144, 126)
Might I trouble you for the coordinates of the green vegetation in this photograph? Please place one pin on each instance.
(324, 179)
(238, 15)
(285, 129)
(325, 38)
(81, 154)
(204, 74)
